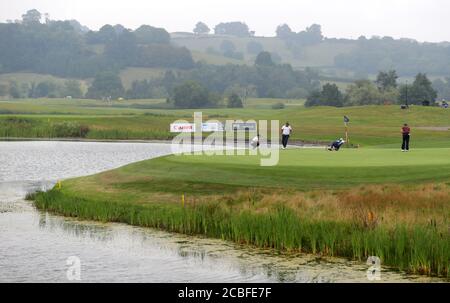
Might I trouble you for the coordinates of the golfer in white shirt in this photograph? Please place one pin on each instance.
(255, 142)
(286, 131)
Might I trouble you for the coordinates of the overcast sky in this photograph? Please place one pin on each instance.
(424, 20)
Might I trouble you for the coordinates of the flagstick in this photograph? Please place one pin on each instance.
(346, 133)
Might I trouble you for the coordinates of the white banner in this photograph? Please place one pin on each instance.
(190, 127)
(212, 127)
(182, 127)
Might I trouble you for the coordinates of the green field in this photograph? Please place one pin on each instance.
(354, 203)
(376, 126)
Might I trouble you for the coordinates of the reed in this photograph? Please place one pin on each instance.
(16, 127)
(422, 249)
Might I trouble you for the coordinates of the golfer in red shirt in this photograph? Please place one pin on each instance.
(405, 132)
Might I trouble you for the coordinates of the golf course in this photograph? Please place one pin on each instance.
(368, 200)
(377, 126)
(355, 203)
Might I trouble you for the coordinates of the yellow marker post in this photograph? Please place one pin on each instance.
(346, 121)
(59, 184)
(182, 200)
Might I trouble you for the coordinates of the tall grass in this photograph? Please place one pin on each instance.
(124, 134)
(19, 127)
(16, 127)
(420, 249)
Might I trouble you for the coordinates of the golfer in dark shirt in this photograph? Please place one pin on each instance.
(405, 132)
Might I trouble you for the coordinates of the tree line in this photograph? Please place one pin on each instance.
(407, 56)
(384, 90)
(47, 89)
(265, 79)
(66, 49)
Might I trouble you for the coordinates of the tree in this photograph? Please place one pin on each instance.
(146, 34)
(442, 87)
(44, 89)
(59, 48)
(123, 49)
(227, 46)
(276, 58)
(4, 89)
(387, 80)
(14, 90)
(201, 28)
(119, 29)
(238, 29)
(406, 56)
(254, 47)
(314, 34)
(32, 16)
(163, 55)
(314, 99)
(140, 90)
(72, 88)
(264, 59)
(421, 91)
(243, 91)
(229, 50)
(192, 95)
(284, 32)
(310, 36)
(106, 84)
(106, 34)
(234, 101)
(329, 96)
(363, 92)
(77, 26)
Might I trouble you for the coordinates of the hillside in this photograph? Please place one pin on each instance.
(338, 58)
(321, 55)
(41, 57)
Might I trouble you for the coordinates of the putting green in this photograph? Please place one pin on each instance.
(343, 158)
(297, 168)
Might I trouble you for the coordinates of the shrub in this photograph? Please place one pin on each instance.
(70, 130)
(278, 105)
(234, 101)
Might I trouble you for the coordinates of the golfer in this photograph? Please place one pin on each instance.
(286, 131)
(406, 134)
(336, 145)
(255, 142)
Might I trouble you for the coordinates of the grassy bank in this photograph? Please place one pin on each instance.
(352, 204)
